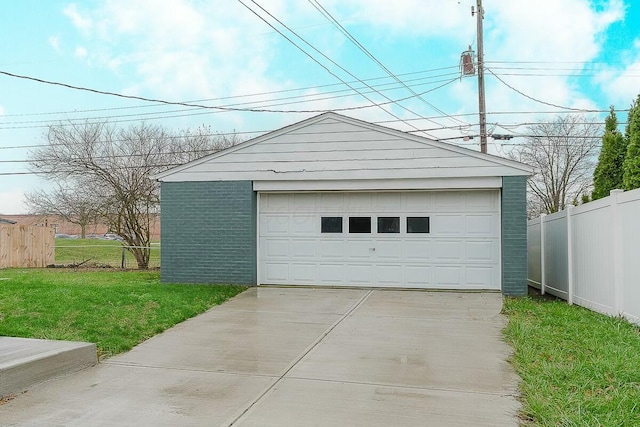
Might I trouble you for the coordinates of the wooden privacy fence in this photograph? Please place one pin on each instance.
(590, 254)
(26, 246)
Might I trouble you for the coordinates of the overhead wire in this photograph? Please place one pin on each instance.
(208, 107)
(316, 4)
(583, 110)
(379, 105)
(246, 95)
(261, 104)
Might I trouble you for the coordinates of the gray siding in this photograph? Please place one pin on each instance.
(514, 235)
(208, 232)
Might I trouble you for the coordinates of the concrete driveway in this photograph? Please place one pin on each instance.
(300, 357)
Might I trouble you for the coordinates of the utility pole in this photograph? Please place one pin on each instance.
(481, 102)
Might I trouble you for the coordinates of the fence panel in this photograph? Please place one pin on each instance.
(593, 256)
(26, 246)
(534, 252)
(630, 253)
(603, 272)
(555, 254)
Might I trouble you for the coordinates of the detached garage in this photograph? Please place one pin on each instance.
(340, 202)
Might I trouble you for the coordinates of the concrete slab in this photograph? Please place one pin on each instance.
(234, 341)
(25, 362)
(417, 346)
(111, 395)
(295, 402)
(283, 356)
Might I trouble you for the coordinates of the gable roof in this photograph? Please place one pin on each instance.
(332, 146)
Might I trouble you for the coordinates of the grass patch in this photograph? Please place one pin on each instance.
(114, 309)
(578, 368)
(73, 251)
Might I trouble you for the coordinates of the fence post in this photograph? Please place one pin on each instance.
(618, 267)
(570, 254)
(543, 280)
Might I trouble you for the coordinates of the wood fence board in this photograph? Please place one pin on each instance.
(26, 246)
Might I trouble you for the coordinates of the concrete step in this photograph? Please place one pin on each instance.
(25, 362)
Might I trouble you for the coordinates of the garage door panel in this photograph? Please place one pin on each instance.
(304, 202)
(481, 201)
(387, 202)
(275, 203)
(417, 250)
(331, 249)
(388, 250)
(481, 251)
(418, 275)
(480, 277)
(303, 249)
(359, 203)
(303, 273)
(480, 225)
(304, 224)
(331, 273)
(449, 276)
(447, 225)
(448, 250)
(448, 201)
(275, 225)
(389, 275)
(359, 249)
(277, 272)
(277, 248)
(360, 274)
(331, 202)
(460, 251)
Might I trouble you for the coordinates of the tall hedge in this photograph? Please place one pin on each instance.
(608, 174)
(631, 176)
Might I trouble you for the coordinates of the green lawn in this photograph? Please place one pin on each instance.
(99, 252)
(579, 368)
(114, 309)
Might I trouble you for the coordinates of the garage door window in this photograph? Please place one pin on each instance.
(331, 224)
(389, 224)
(360, 224)
(417, 224)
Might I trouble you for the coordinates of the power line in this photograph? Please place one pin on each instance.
(187, 104)
(247, 95)
(539, 100)
(261, 104)
(325, 56)
(352, 39)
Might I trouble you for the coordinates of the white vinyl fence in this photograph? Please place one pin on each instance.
(590, 255)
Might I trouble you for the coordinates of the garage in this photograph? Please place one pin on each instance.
(418, 239)
(337, 201)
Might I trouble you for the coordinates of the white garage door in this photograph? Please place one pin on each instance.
(420, 239)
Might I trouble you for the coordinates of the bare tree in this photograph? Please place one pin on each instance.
(74, 203)
(563, 153)
(116, 164)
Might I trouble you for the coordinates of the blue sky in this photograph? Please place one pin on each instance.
(573, 53)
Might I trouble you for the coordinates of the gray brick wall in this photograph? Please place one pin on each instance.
(514, 235)
(208, 232)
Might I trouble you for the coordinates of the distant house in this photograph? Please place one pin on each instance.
(6, 221)
(337, 201)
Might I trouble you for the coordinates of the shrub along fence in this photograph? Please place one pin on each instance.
(590, 255)
(26, 246)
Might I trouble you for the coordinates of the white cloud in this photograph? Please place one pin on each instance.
(81, 52)
(193, 50)
(1, 110)
(54, 42)
(621, 83)
(81, 22)
(12, 202)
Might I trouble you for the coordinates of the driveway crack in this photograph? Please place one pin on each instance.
(302, 356)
